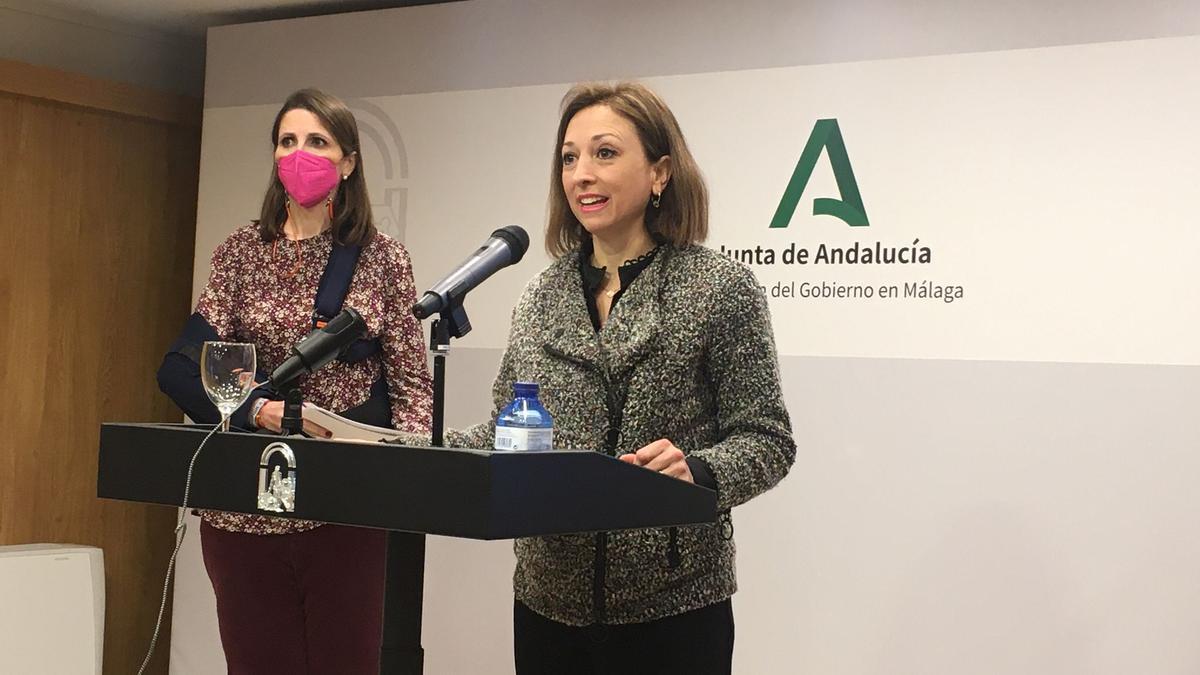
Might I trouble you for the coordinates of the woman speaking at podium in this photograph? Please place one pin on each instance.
(296, 596)
(651, 348)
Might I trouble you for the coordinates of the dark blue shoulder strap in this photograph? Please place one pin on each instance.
(331, 295)
(335, 283)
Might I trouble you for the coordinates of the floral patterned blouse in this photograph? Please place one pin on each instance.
(263, 292)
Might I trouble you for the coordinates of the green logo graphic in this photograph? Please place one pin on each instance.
(825, 135)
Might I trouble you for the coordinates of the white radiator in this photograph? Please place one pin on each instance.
(52, 616)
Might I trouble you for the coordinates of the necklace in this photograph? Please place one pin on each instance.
(299, 257)
(610, 292)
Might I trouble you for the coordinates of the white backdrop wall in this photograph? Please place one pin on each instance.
(998, 484)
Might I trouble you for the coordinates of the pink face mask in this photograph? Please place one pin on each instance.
(308, 178)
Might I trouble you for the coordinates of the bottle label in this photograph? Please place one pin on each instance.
(522, 438)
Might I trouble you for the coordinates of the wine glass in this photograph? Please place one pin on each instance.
(227, 371)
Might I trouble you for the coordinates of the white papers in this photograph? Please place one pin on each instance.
(344, 429)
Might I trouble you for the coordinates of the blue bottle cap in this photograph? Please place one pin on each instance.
(525, 389)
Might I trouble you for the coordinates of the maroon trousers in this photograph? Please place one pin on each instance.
(303, 604)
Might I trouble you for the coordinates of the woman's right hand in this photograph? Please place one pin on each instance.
(270, 417)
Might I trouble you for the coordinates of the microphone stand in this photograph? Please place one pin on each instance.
(401, 652)
(293, 415)
(452, 322)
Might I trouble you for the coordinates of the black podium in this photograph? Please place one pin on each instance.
(412, 491)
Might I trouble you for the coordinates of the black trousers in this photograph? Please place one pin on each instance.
(699, 642)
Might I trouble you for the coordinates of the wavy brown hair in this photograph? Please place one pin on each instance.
(352, 222)
(682, 215)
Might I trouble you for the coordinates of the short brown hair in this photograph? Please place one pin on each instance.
(682, 215)
(352, 222)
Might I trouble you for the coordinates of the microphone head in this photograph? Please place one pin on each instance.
(347, 319)
(517, 238)
(506, 246)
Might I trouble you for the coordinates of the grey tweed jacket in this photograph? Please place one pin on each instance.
(687, 354)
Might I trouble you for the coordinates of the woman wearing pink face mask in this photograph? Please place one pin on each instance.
(297, 596)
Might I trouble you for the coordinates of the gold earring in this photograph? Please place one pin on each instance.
(656, 200)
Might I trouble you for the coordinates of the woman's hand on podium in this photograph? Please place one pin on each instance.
(270, 417)
(661, 456)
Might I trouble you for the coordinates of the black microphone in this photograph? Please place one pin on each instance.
(320, 347)
(505, 247)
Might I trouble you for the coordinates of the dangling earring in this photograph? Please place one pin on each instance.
(657, 199)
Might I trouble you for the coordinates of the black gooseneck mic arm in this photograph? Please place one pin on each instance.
(312, 353)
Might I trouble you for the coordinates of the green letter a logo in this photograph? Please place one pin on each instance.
(849, 208)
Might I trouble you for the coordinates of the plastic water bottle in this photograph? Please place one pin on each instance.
(524, 424)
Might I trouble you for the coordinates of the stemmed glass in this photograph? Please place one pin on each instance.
(227, 371)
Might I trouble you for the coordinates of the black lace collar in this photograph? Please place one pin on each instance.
(593, 277)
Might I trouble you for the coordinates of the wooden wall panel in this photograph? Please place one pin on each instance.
(97, 222)
(89, 92)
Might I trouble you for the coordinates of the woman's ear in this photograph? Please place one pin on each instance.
(660, 173)
(348, 164)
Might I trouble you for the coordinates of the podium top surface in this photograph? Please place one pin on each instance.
(475, 494)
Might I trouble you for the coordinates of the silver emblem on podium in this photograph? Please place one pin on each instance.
(277, 492)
